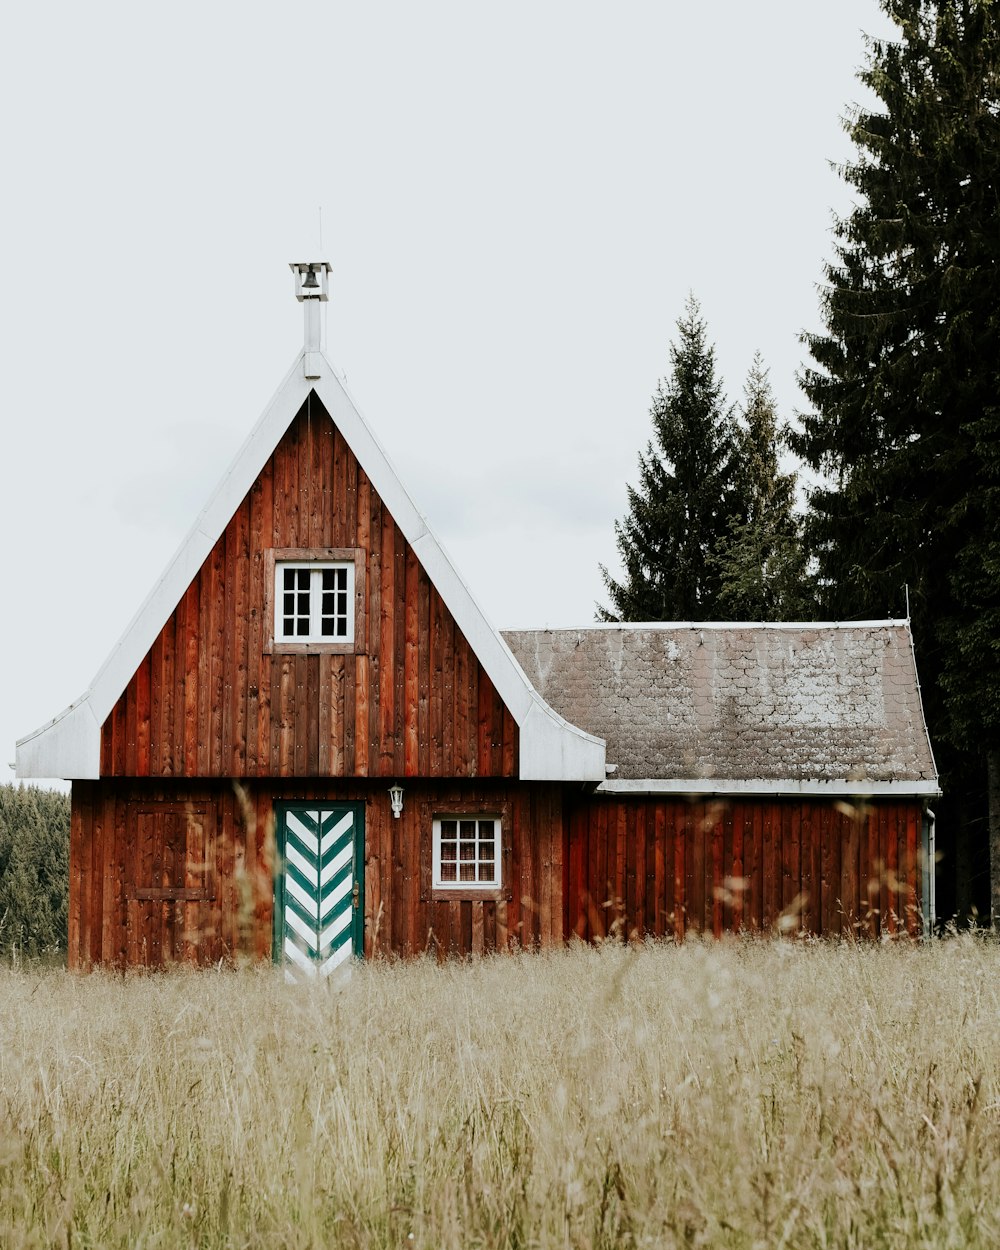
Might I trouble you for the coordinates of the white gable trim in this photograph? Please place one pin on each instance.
(551, 749)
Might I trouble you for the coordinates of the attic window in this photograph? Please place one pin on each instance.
(316, 600)
(314, 603)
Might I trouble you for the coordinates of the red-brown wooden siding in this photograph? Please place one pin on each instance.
(583, 867)
(108, 924)
(207, 701)
(652, 867)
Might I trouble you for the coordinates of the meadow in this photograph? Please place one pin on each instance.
(745, 1093)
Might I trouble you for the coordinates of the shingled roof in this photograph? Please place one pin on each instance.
(720, 708)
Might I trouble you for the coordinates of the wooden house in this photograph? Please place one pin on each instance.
(311, 743)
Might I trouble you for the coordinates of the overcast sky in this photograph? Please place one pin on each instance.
(516, 200)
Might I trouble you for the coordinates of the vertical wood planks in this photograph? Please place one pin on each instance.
(566, 862)
(211, 700)
(411, 758)
(676, 866)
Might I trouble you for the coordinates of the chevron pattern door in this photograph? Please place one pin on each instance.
(319, 916)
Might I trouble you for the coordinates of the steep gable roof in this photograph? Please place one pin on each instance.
(550, 747)
(754, 708)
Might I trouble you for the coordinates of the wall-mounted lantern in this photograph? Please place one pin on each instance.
(396, 798)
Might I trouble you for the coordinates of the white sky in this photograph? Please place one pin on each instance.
(516, 199)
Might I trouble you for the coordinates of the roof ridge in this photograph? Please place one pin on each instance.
(662, 626)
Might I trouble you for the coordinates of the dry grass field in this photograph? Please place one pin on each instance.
(739, 1094)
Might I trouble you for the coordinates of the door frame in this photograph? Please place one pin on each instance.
(281, 807)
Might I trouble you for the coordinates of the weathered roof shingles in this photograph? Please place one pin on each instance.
(739, 702)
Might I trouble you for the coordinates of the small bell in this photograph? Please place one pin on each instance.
(310, 283)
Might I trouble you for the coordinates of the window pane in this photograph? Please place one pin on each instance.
(326, 628)
(288, 579)
(303, 603)
(328, 578)
(289, 603)
(341, 628)
(289, 625)
(342, 603)
(468, 851)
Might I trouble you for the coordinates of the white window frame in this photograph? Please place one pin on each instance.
(496, 881)
(315, 635)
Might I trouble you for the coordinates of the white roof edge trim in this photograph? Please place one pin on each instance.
(56, 740)
(674, 625)
(544, 756)
(116, 671)
(79, 746)
(550, 747)
(710, 786)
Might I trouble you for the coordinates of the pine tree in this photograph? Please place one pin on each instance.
(34, 870)
(905, 384)
(679, 514)
(762, 563)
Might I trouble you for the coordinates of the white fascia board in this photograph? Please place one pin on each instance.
(69, 746)
(709, 786)
(550, 748)
(116, 672)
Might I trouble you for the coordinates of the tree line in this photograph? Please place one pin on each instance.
(34, 871)
(901, 427)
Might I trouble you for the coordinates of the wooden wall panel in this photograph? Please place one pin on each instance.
(645, 867)
(208, 701)
(112, 921)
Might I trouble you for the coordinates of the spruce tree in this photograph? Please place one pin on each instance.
(905, 380)
(34, 870)
(762, 563)
(678, 516)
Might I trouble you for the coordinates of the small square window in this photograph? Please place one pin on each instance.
(465, 852)
(314, 602)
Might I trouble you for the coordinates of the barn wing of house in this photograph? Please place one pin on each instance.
(310, 744)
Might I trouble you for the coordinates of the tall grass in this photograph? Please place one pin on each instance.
(738, 1094)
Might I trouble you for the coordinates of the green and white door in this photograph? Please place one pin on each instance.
(319, 887)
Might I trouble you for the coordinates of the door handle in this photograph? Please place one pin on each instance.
(356, 895)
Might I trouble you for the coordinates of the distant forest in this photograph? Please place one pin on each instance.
(34, 871)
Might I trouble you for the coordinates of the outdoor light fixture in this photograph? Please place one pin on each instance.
(396, 798)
